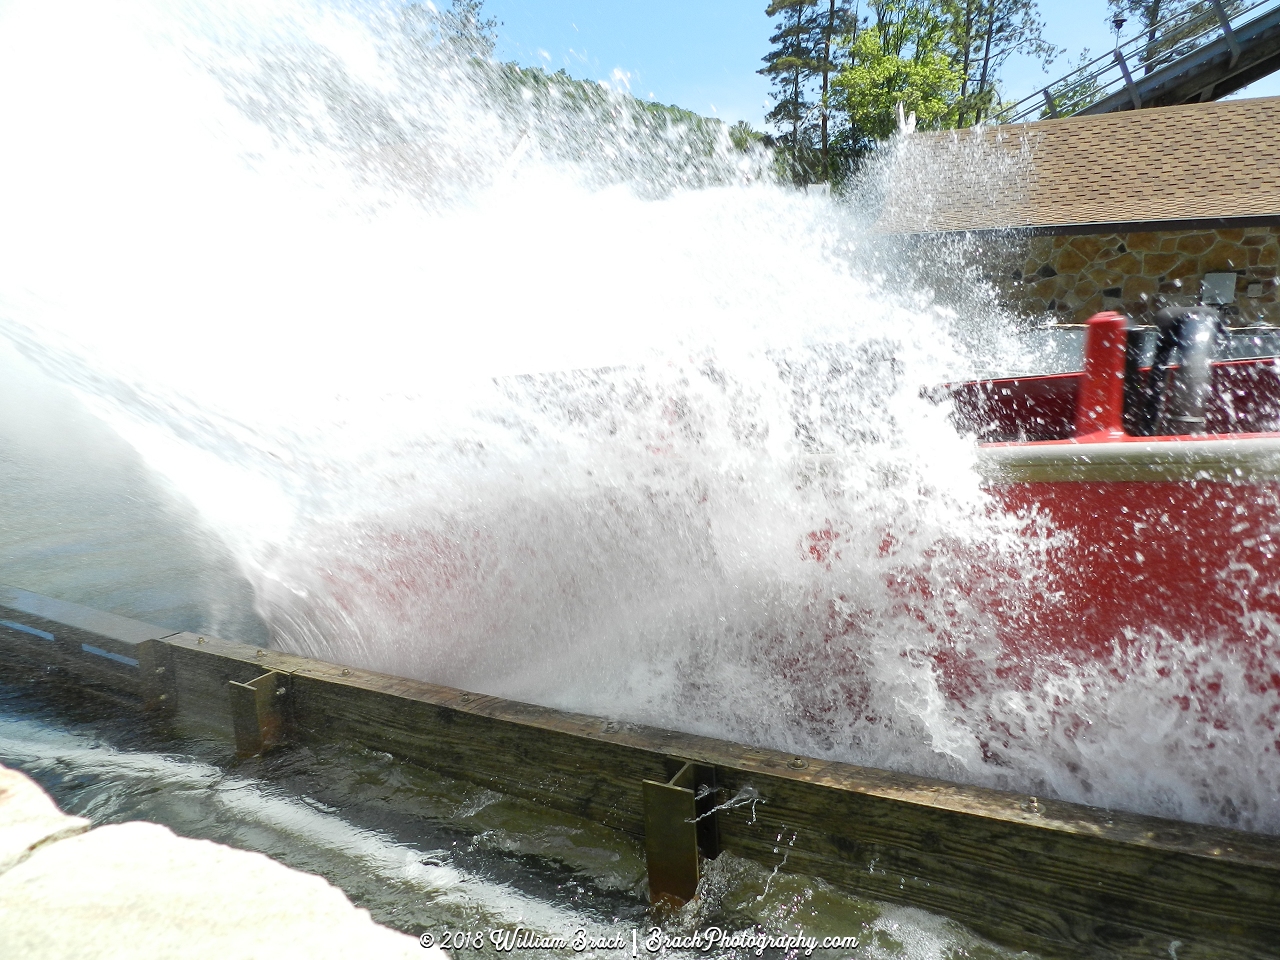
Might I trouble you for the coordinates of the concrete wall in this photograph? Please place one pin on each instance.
(1070, 278)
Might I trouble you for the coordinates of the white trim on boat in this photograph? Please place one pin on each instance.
(1237, 459)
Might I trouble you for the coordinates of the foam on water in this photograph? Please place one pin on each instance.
(491, 385)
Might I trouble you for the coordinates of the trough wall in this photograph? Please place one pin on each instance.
(1056, 878)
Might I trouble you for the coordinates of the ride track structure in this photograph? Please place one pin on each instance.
(1061, 879)
(1213, 54)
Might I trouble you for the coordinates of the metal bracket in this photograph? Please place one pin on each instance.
(679, 824)
(1049, 104)
(159, 689)
(1128, 80)
(259, 713)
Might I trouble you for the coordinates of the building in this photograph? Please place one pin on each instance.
(1108, 212)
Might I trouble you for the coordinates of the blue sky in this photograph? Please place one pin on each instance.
(703, 54)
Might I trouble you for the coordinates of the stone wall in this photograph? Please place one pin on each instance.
(1070, 278)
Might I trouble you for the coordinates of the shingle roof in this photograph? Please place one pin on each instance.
(1171, 166)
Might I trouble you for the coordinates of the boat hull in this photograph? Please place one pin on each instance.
(1154, 553)
(1135, 562)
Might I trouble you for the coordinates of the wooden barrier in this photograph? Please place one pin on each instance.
(1057, 878)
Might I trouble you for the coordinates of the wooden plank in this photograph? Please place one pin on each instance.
(204, 666)
(104, 652)
(76, 617)
(1058, 878)
(563, 769)
(259, 713)
(1050, 877)
(1054, 877)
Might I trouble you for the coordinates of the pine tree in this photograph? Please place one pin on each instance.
(464, 27)
(1147, 13)
(830, 25)
(985, 34)
(792, 65)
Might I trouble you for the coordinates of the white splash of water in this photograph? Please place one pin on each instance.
(323, 276)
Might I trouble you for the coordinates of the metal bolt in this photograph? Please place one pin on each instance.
(159, 670)
(261, 653)
(797, 763)
(346, 672)
(466, 698)
(199, 639)
(280, 691)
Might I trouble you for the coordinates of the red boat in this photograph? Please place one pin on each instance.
(1162, 487)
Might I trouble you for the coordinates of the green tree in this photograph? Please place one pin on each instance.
(829, 26)
(743, 136)
(792, 64)
(462, 27)
(902, 54)
(465, 28)
(985, 34)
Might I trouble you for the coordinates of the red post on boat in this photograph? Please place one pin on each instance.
(1100, 402)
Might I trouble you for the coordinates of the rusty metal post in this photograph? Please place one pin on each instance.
(679, 827)
(259, 713)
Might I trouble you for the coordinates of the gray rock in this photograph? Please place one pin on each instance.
(28, 818)
(137, 891)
